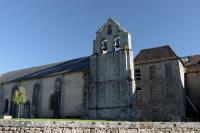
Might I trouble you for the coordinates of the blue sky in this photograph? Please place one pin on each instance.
(37, 32)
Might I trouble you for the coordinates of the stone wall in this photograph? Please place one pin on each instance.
(193, 88)
(71, 97)
(97, 127)
(160, 96)
(111, 75)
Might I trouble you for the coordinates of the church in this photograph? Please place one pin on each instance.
(110, 84)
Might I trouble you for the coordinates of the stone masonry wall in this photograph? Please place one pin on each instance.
(160, 95)
(7, 126)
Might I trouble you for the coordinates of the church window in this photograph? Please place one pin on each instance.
(13, 106)
(168, 70)
(55, 99)
(6, 106)
(116, 42)
(152, 72)
(109, 31)
(35, 100)
(104, 46)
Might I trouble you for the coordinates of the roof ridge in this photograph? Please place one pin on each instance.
(156, 47)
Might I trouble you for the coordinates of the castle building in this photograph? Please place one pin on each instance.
(109, 84)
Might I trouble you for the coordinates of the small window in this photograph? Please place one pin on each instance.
(137, 74)
(104, 46)
(152, 72)
(137, 70)
(168, 70)
(109, 29)
(138, 94)
(198, 63)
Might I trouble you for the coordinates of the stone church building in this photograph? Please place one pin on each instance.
(109, 84)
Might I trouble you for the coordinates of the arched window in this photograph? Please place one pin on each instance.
(116, 42)
(104, 46)
(35, 100)
(13, 106)
(55, 99)
(6, 104)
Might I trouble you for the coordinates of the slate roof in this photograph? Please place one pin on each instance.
(73, 65)
(155, 54)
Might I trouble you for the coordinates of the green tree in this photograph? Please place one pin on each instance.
(19, 98)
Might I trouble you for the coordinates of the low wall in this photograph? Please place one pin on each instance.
(11, 126)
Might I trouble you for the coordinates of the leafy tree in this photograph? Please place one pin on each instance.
(19, 98)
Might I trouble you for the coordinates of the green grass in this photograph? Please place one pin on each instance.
(61, 120)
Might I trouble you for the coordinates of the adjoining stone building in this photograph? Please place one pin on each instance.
(160, 87)
(102, 86)
(192, 78)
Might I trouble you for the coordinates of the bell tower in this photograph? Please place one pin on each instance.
(112, 83)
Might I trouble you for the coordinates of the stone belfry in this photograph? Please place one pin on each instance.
(112, 86)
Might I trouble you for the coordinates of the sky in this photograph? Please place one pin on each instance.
(38, 32)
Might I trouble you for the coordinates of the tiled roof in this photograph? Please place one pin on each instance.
(191, 60)
(46, 70)
(155, 54)
(192, 63)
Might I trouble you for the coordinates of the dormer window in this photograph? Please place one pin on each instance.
(116, 42)
(109, 31)
(104, 46)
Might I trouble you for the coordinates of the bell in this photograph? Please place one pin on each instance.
(117, 43)
(104, 47)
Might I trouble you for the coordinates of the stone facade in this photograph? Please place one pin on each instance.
(102, 86)
(72, 89)
(160, 86)
(112, 74)
(161, 98)
(98, 127)
(193, 83)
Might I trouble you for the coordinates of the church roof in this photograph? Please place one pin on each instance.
(46, 70)
(155, 54)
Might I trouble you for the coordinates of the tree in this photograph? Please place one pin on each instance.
(19, 98)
